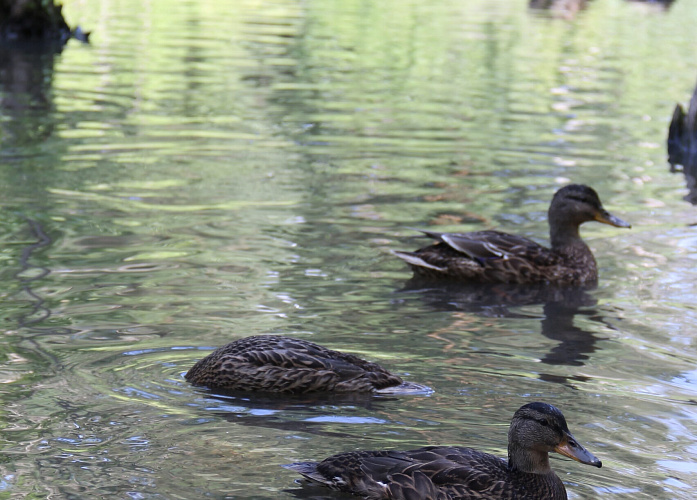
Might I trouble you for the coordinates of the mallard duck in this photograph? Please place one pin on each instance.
(682, 134)
(496, 257)
(682, 144)
(455, 473)
(272, 363)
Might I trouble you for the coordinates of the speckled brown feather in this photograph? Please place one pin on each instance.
(437, 472)
(280, 364)
(497, 257)
(457, 473)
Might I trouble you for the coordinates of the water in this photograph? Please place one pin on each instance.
(203, 172)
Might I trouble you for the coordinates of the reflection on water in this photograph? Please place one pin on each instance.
(659, 4)
(29, 274)
(304, 414)
(559, 306)
(560, 8)
(25, 83)
(575, 344)
(200, 174)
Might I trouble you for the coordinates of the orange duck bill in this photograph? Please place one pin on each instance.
(607, 218)
(569, 447)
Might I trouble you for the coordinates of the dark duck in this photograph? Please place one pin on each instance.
(272, 363)
(497, 257)
(456, 473)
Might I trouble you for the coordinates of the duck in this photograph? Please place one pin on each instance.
(682, 145)
(274, 363)
(682, 134)
(458, 473)
(498, 257)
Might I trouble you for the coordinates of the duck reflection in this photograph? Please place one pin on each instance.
(565, 9)
(561, 304)
(575, 344)
(682, 145)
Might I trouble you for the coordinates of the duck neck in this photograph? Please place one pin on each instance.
(530, 461)
(564, 235)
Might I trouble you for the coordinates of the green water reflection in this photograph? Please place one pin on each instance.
(203, 172)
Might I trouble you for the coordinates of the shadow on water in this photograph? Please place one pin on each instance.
(310, 491)
(26, 100)
(303, 413)
(575, 344)
(560, 307)
(565, 9)
(26, 103)
(682, 145)
(662, 4)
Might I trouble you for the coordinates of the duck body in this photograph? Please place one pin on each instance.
(457, 473)
(498, 257)
(273, 363)
(433, 472)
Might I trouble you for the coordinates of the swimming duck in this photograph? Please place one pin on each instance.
(682, 144)
(496, 257)
(455, 473)
(281, 364)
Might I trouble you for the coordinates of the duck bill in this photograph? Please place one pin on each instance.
(569, 447)
(607, 218)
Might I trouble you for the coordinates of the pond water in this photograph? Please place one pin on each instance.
(208, 170)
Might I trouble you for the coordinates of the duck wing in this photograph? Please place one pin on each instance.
(485, 257)
(453, 472)
(482, 246)
(438, 473)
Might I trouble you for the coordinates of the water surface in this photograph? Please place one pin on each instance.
(202, 172)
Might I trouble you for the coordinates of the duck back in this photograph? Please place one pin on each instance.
(281, 364)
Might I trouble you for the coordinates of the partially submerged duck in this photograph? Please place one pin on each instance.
(456, 473)
(496, 257)
(271, 363)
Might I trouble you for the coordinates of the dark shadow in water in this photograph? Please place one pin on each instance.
(682, 145)
(560, 306)
(663, 4)
(575, 344)
(26, 76)
(496, 300)
(311, 491)
(306, 413)
(565, 9)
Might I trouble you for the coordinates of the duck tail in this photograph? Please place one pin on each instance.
(414, 260)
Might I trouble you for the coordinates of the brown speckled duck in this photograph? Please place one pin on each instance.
(496, 257)
(270, 363)
(455, 473)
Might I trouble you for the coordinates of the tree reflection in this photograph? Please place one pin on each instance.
(26, 76)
